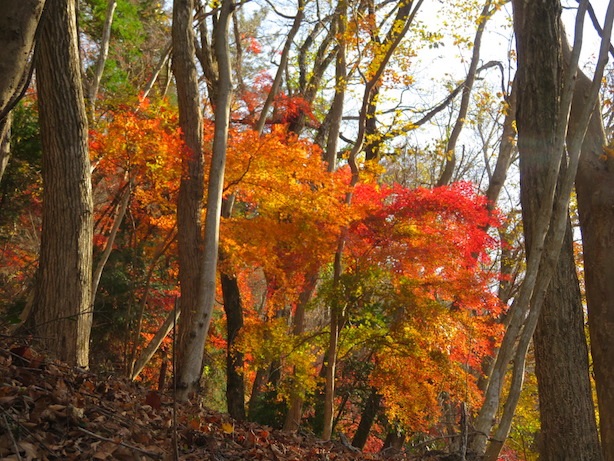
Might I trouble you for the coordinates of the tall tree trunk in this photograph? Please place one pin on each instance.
(596, 208)
(191, 188)
(235, 385)
(62, 310)
(562, 364)
(543, 110)
(193, 348)
(567, 415)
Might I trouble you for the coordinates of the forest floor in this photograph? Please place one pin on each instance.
(51, 411)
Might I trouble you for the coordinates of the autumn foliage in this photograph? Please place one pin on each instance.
(416, 290)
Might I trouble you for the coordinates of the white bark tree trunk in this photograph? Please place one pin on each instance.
(191, 362)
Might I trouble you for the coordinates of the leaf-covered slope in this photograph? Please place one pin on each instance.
(50, 411)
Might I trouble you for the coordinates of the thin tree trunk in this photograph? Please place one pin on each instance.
(285, 55)
(104, 257)
(507, 147)
(136, 332)
(331, 365)
(295, 410)
(102, 57)
(336, 110)
(156, 73)
(5, 143)
(235, 385)
(155, 342)
(191, 188)
(195, 333)
(450, 163)
(62, 315)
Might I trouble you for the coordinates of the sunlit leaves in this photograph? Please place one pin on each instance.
(288, 209)
(141, 148)
(416, 293)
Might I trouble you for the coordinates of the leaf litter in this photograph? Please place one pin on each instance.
(51, 411)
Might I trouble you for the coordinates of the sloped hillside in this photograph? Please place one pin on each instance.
(50, 411)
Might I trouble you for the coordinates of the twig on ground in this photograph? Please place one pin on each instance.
(123, 444)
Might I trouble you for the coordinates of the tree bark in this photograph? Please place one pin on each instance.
(567, 415)
(191, 188)
(62, 314)
(235, 385)
(595, 205)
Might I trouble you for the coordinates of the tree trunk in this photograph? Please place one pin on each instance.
(102, 58)
(450, 162)
(372, 406)
(543, 109)
(295, 408)
(154, 344)
(235, 386)
(394, 441)
(256, 394)
(5, 143)
(596, 208)
(566, 409)
(192, 350)
(191, 188)
(62, 313)
(567, 415)
(18, 24)
(331, 366)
